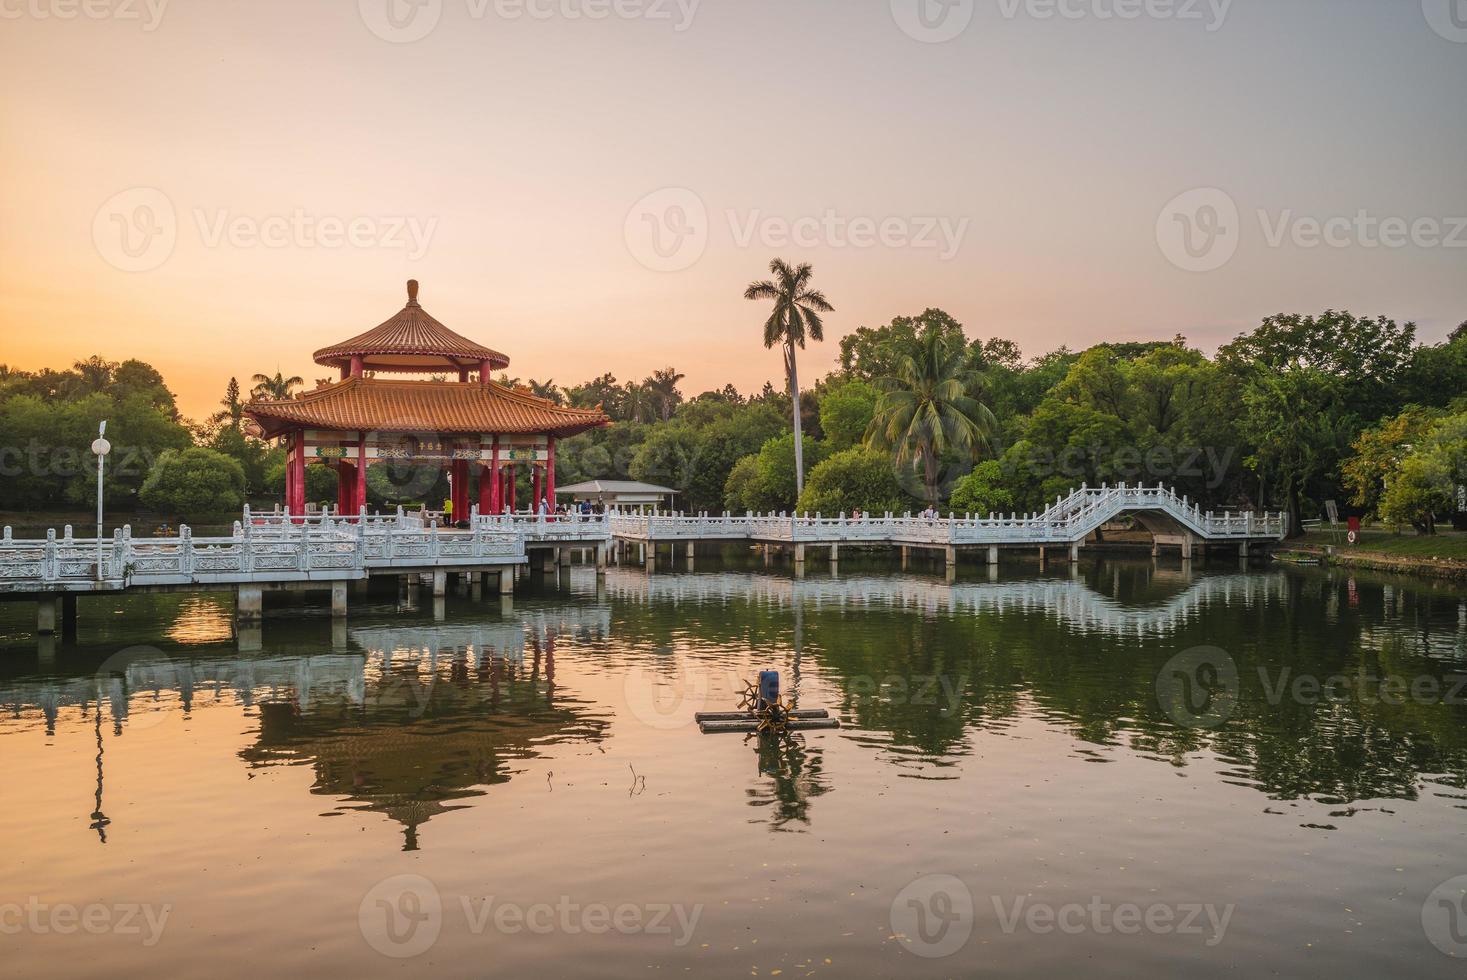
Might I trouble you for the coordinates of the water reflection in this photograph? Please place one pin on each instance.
(412, 718)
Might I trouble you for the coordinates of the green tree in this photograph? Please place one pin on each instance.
(926, 411)
(797, 314)
(983, 491)
(1424, 488)
(194, 481)
(854, 479)
(846, 410)
(738, 489)
(1379, 450)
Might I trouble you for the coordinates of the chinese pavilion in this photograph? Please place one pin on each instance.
(461, 419)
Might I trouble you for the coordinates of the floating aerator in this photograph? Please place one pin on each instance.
(765, 712)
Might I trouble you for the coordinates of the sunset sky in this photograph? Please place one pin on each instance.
(222, 187)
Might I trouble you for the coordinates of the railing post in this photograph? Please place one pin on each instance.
(48, 561)
(185, 550)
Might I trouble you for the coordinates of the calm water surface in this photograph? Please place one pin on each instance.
(1126, 771)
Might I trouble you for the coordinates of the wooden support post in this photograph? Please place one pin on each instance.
(338, 600)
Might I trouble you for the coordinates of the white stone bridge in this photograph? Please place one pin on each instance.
(1169, 518)
(330, 551)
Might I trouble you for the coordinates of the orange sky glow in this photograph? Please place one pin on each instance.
(221, 189)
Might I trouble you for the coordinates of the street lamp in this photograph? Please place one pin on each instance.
(101, 447)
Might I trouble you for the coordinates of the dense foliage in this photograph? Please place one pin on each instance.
(1302, 410)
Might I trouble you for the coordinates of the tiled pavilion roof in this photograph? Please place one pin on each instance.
(412, 341)
(379, 405)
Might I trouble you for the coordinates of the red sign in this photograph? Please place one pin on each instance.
(1353, 523)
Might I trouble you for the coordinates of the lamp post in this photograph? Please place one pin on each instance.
(101, 447)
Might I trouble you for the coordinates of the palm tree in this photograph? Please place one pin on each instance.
(925, 409)
(277, 388)
(547, 390)
(637, 402)
(797, 310)
(662, 386)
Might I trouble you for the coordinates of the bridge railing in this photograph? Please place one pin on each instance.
(250, 553)
(1068, 520)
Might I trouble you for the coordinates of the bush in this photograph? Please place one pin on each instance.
(855, 479)
(982, 492)
(194, 481)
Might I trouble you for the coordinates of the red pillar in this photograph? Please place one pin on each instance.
(536, 485)
(360, 503)
(345, 487)
(509, 478)
(297, 504)
(496, 485)
(550, 475)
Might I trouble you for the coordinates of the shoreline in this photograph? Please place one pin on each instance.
(1439, 568)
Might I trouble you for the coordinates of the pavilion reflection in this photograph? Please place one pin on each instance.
(437, 722)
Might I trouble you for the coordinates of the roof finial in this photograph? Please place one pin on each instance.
(412, 292)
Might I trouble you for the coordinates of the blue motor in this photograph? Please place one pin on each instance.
(769, 686)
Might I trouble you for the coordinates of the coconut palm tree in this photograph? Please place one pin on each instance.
(925, 409)
(277, 388)
(662, 387)
(797, 310)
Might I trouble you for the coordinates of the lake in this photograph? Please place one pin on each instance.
(1128, 768)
